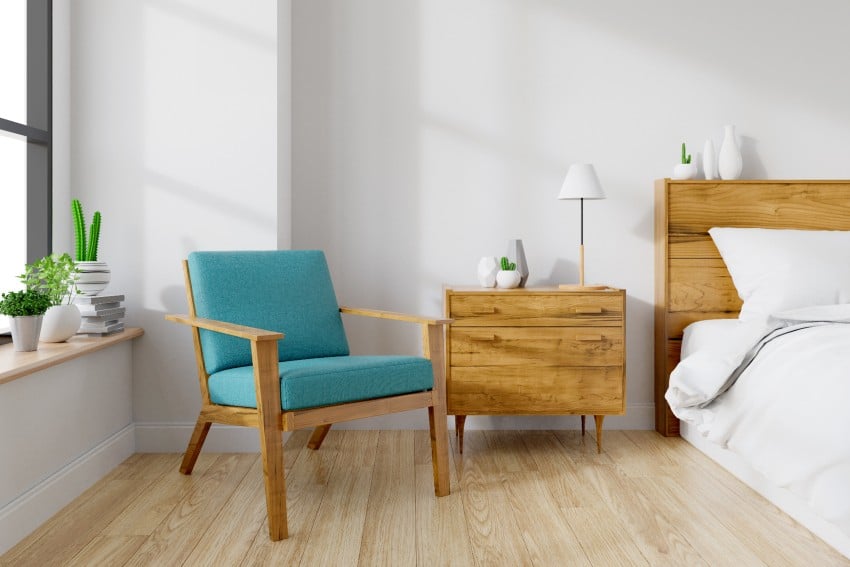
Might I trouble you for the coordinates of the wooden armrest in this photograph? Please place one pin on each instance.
(394, 316)
(250, 333)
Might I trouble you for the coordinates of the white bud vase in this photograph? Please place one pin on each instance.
(487, 269)
(709, 160)
(730, 164)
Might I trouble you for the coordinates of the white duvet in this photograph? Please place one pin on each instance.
(788, 413)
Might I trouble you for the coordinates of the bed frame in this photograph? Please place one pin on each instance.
(691, 280)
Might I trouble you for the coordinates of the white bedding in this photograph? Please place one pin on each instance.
(788, 414)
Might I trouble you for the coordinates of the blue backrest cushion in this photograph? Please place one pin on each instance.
(289, 291)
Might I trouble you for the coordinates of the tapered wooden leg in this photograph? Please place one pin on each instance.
(267, 385)
(318, 436)
(582, 425)
(199, 435)
(460, 422)
(599, 419)
(439, 449)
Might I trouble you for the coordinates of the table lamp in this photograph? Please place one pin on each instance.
(581, 183)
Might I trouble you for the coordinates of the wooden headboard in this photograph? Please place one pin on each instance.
(691, 280)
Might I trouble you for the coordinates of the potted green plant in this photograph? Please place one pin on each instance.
(55, 275)
(25, 310)
(686, 169)
(508, 276)
(94, 275)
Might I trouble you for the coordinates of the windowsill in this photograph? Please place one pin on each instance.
(14, 365)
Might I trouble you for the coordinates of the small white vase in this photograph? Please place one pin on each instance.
(729, 163)
(487, 268)
(93, 277)
(685, 171)
(709, 160)
(61, 322)
(508, 278)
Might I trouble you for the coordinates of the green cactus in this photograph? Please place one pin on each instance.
(85, 250)
(507, 265)
(686, 157)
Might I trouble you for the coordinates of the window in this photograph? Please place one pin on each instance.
(25, 120)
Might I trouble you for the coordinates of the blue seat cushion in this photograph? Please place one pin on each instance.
(326, 381)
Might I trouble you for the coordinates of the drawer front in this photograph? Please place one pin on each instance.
(536, 346)
(536, 309)
(511, 390)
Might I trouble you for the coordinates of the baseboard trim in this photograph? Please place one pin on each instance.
(25, 513)
(159, 437)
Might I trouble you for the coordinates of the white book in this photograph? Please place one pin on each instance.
(96, 299)
(95, 309)
(103, 315)
(104, 327)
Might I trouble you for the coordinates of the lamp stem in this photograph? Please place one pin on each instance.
(581, 247)
(581, 201)
(581, 265)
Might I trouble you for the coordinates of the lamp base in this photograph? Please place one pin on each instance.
(579, 287)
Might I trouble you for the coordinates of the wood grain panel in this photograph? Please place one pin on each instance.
(703, 285)
(553, 309)
(692, 246)
(527, 390)
(537, 346)
(812, 205)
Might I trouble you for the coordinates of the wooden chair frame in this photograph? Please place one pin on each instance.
(272, 421)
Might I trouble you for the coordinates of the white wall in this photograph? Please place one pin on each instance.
(173, 135)
(61, 430)
(428, 133)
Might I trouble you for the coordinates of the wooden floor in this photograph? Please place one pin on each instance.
(367, 498)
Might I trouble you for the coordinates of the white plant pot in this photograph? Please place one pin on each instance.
(508, 278)
(487, 268)
(25, 331)
(93, 277)
(685, 171)
(61, 322)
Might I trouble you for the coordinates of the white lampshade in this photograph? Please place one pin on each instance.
(581, 183)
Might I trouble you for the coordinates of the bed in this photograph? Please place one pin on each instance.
(693, 284)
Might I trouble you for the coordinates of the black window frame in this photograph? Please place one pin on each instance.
(38, 129)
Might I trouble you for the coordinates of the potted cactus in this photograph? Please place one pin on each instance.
(55, 275)
(93, 275)
(508, 276)
(25, 310)
(686, 169)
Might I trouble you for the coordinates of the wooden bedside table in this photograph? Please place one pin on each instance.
(539, 351)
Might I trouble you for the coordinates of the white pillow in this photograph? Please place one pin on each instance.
(775, 270)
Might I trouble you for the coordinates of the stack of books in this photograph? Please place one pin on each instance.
(102, 314)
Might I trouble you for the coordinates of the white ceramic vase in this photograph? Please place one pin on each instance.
(93, 277)
(729, 163)
(508, 278)
(61, 322)
(487, 268)
(25, 332)
(709, 160)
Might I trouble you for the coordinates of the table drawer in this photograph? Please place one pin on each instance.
(536, 309)
(536, 346)
(519, 389)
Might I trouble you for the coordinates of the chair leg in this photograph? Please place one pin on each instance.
(199, 435)
(439, 449)
(271, 447)
(318, 436)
